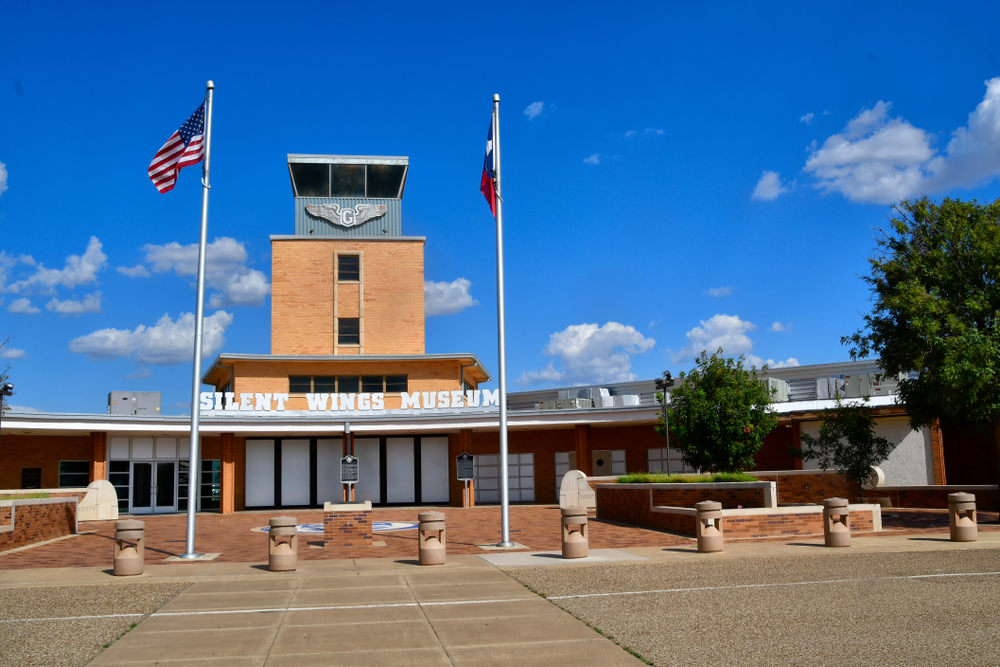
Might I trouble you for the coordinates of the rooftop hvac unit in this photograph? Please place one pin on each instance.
(141, 403)
(566, 404)
(830, 388)
(626, 401)
(778, 389)
(601, 397)
(886, 385)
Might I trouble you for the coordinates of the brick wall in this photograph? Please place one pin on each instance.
(344, 529)
(391, 302)
(35, 520)
(809, 486)
(631, 505)
(730, 498)
(987, 500)
(40, 451)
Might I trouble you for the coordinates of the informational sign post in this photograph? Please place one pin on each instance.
(465, 465)
(350, 474)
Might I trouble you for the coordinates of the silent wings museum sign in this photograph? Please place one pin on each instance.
(323, 402)
(346, 216)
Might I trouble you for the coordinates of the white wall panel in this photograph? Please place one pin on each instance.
(328, 454)
(260, 473)
(369, 486)
(434, 470)
(400, 470)
(294, 472)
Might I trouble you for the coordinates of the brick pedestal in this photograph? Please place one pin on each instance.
(347, 525)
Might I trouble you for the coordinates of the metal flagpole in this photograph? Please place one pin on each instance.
(194, 462)
(504, 494)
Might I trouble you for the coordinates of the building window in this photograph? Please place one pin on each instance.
(348, 268)
(74, 474)
(118, 475)
(31, 478)
(348, 331)
(395, 384)
(210, 489)
(346, 384)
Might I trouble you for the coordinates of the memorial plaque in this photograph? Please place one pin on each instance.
(464, 465)
(349, 470)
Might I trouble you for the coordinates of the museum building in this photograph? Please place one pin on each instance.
(348, 373)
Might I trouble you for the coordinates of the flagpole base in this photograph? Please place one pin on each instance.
(191, 556)
(505, 545)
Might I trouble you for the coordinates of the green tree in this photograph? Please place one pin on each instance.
(847, 441)
(719, 415)
(935, 283)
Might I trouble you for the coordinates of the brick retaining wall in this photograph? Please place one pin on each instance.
(348, 527)
(24, 522)
(936, 497)
(631, 504)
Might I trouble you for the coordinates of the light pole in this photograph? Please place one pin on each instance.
(6, 389)
(661, 385)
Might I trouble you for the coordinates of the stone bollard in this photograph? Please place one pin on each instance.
(432, 538)
(575, 534)
(836, 523)
(129, 558)
(282, 544)
(709, 527)
(962, 517)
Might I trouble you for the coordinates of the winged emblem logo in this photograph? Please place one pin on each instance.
(347, 217)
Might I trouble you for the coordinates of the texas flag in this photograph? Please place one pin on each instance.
(486, 185)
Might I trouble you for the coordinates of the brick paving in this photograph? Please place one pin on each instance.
(536, 527)
(233, 535)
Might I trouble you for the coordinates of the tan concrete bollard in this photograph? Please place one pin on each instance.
(575, 533)
(962, 517)
(282, 544)
(836, 523)
(129, 558)
(709, 527)
(432, 538)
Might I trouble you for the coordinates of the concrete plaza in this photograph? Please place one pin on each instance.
(907, 596)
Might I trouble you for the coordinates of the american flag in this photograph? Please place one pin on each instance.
(184, 148)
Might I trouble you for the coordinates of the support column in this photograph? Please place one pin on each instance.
(98, 456)
(583, 463)
(937, 453)
(227, 503)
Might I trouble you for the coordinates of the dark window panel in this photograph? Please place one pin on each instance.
(348, 331)
(384, 180)
(325, 384)
(395, 383)
(347, 180)
(311, 180)
(371, 383)
(299, 384)
(348, 267)
(348, 384)
(31, 478)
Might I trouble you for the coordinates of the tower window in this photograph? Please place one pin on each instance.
(348, 268)
(348, 331)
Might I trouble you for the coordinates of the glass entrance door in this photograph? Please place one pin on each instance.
(154, 487)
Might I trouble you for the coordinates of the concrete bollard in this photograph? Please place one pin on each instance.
(575, 534)
(962, 517)
(282, 544)
(709, 527)
(432, 538)
(836, 523)
(129, 558)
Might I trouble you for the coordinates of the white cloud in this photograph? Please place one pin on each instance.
(3, 178)
(22, 306)
(725, 331)
(22, 408)
(654, 130)
(90, 304)
(79, 270)
(807, 118)
(777, 326)
(630, 133)
(137, 271)
(754, 360)
(225, 270)
(878, 159)
(11, 353)
(589, 353)
(444, 298)
(534, 109)
(141, 374)
(769, 187)
(166, 343)
(719, 291)
(593, 159)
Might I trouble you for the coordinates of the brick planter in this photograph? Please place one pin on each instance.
(347, 525)
(33, 520)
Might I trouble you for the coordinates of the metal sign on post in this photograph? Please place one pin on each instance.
(464, 464)
(350, 474)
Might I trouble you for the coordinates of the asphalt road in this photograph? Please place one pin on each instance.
(924, 608)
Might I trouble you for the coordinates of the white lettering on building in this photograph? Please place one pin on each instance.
(326, 402)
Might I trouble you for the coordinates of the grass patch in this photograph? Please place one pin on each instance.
(22, 496)
(664, 478)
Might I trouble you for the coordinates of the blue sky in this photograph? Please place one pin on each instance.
(676, 176)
